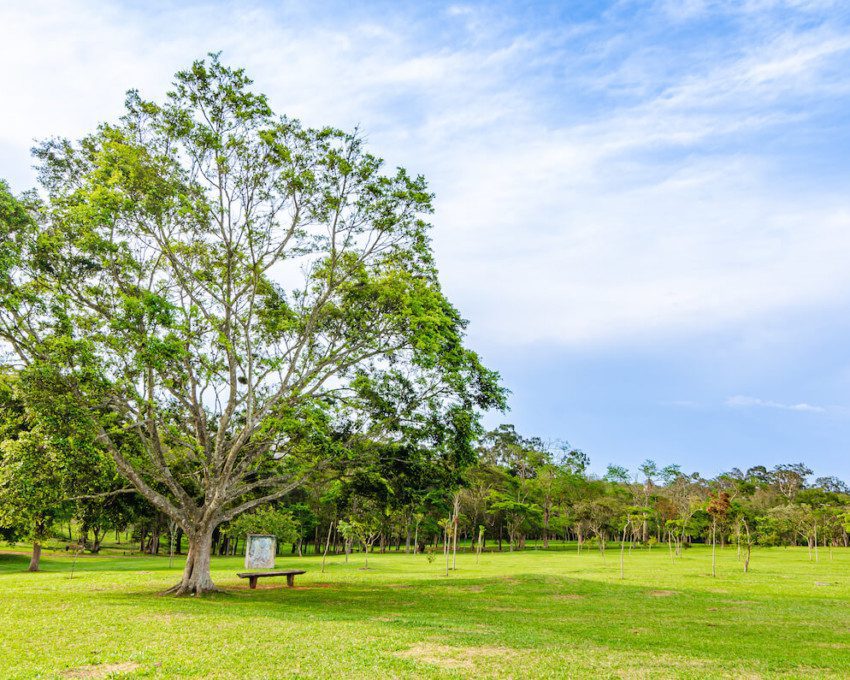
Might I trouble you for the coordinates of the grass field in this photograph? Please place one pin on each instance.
(530, 614)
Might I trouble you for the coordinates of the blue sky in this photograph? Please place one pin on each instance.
(642, 207)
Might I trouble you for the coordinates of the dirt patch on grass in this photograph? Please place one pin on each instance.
(472, 589)
(101, 670)
(662, 593)
(466, 658)
(568, 596)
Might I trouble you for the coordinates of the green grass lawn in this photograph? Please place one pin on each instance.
(528, 614)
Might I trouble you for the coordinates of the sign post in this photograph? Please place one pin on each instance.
(260, 551)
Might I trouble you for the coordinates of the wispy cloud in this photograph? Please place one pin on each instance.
(627, 175)
(740, 401)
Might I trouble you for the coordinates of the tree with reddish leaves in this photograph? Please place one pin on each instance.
(718, 507)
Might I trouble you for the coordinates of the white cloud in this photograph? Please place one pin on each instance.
(647, 212)
(740, 401)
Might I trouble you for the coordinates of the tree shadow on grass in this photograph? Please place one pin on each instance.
(526, 611)
(13, 562)
(543, 612)
(87, 562)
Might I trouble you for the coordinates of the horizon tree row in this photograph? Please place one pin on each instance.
(515, 492)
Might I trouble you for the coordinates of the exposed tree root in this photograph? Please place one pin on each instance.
(185, 590)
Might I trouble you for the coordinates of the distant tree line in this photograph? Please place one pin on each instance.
(517, 492)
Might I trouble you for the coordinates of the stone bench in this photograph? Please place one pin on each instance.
(252, 576)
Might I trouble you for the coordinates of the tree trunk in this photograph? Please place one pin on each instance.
(714, 548)
(455, 513)
(480, 544)
(622, 552)
(196, 574)
(815, 541)
(327, 545)
(157, 528)
(171, 544)
(35, 560)
(446, 546)
(98, 539)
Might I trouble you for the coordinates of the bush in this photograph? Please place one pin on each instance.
(267, 520)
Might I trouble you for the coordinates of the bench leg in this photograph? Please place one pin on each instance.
(290, 580)
(252, 582)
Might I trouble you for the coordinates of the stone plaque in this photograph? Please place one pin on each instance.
(259, 551)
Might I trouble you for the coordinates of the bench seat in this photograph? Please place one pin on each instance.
(252, 576)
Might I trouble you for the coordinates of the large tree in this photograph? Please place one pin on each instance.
(222, 299)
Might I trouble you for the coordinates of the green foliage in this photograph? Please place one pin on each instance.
(39, 471)
(364, 524)
(430, 554)
(617, 474)
(228, 303)
(276, 522)
(31, 487)
(364, 529)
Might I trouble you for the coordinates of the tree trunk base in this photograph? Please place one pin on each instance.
(189, 590)
(196, 574)
(35, 559)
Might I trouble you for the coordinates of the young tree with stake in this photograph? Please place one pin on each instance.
(718, 507)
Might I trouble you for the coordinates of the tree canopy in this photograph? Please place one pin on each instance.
(223, 300)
